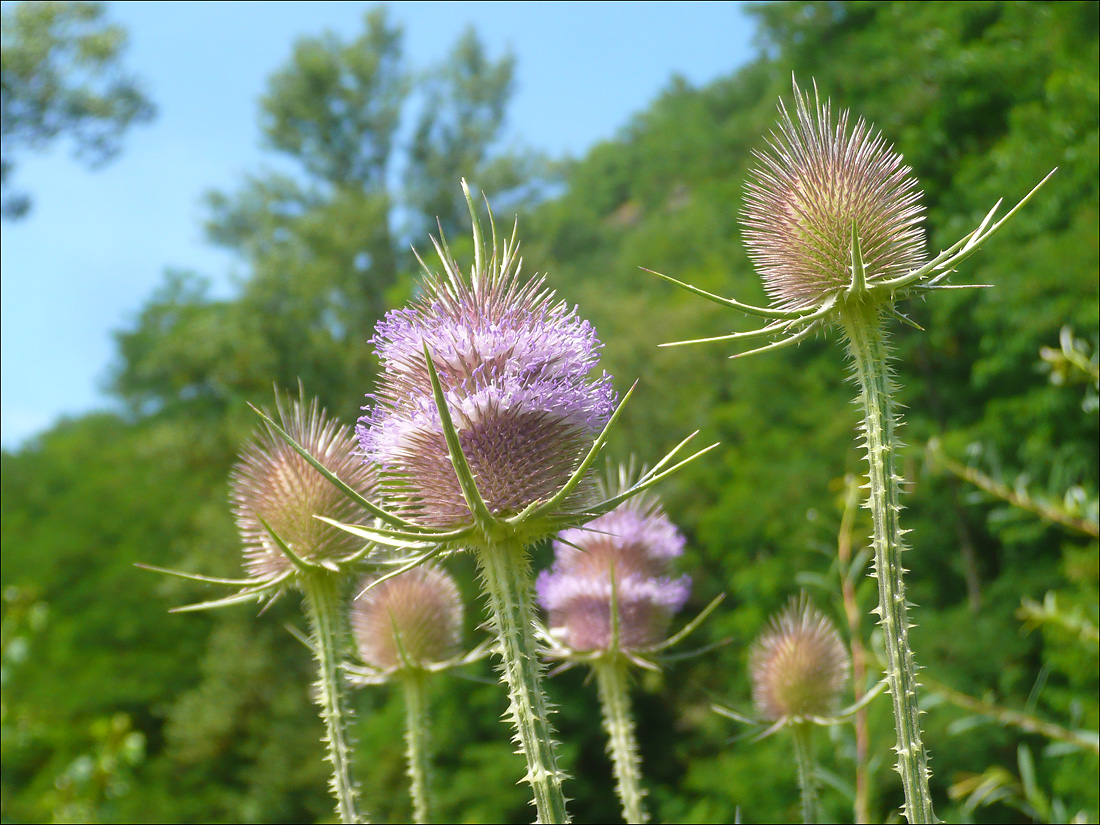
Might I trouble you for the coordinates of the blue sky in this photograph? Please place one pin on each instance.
(97, 243)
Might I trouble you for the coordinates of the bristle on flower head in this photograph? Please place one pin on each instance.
(271, 481)
(817, 182)
(633, 544)
(410, 620)
(799, 665)
(515, 366)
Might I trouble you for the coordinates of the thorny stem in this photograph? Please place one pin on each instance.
(621, 741)
(870, 359)
(506, 571)
(804, 756)
(324, 611)
(859, 664)
(417, 743)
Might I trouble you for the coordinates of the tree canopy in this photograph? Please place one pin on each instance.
(61, 75)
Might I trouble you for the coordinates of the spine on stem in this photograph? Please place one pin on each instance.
(507, 575)
(418, 750)
(325, 613)
(870, 359)
(622, 743)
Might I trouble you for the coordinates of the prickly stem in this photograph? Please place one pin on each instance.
(870, 358)
(324, 610)
(621, 741)
(506, 574)
(417, 744)
(804, 756)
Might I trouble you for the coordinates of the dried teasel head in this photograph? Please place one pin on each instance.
(410, 620)
(819, 181)
(799, 665)
(273, 483)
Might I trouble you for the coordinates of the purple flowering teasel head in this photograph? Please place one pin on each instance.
(820, 182)
(517, 371)
(799, 665)
(273, 483)
(623, 555)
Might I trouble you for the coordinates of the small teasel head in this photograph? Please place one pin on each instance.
(517, 369)
(799, 665)
(622, 557)
(273, 483)
(820, 181)
(410, 620)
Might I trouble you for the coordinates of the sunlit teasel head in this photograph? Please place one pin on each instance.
(516, 367)
(820, 180)
(625, 554)
(274, 483)
(799, 665)
(411, 620)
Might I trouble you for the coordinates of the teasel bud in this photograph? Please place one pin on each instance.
(271, 482)
(820, 183)
(624, 555)
(799, 665)
(514, 365)
(411, 620)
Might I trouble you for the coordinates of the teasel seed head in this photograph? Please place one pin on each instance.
(634, 545)
(819, 182)
(516, 367)
(799, 665)
(273, 482)
(410, 620)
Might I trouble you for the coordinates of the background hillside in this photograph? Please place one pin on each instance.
(115, 710)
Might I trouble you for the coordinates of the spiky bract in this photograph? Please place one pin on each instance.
(625, 554)
(799, 665)
(273, 482)
(515, 366)
(818, 180)
(410, 620)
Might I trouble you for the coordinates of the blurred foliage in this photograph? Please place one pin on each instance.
(982, 98)
(61, 75)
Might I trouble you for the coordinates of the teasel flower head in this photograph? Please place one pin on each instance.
(517, 369)
(621, 558)
(822, 181)
(409, 621)
(272, 483)
(799, 665)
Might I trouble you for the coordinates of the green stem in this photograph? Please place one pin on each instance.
(507, 576)
(870, 359)
(862, 801)
(804, 756)
(622, 743)
(326, 619)
(417, 742)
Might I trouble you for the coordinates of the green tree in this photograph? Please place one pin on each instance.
(62, 76)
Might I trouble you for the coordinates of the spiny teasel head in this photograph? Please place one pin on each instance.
(819, 180)
(274, 483)
(633, 544)
(412, 620)
(516, 367)
(799, 665)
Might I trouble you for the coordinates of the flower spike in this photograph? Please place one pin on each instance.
(833, 223)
